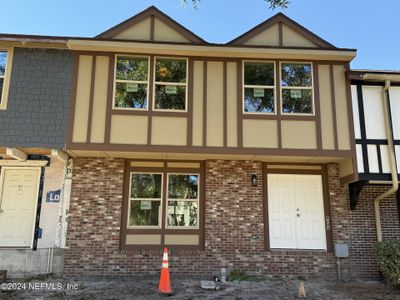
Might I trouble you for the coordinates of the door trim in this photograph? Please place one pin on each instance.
(297, 169)
(2, 178)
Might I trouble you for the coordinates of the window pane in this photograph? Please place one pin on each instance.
(144, 213)
(131, 68)
(130, 95)
(259, 100)
(170, 97)
(170, 70)
(3, 61)
(297, 101)
(183, 186)
(296, 75)
(146, 185)
(258, 73)
(182, 213)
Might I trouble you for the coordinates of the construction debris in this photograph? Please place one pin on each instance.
(209, 285)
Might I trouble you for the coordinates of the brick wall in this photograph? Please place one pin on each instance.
(363, 232)
(38, 101)
(234, 227)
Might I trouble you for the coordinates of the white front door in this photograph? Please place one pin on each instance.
(18, 199)
(296, 211)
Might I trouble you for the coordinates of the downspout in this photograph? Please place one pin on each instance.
(392, 159)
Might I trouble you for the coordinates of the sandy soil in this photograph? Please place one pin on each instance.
(135, 287)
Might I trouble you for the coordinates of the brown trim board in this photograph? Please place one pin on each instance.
(91, 100)
(333, 97)
(71, 117)
(317, 104)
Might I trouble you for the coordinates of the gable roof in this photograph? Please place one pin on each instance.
(281, 19)
(151, 12)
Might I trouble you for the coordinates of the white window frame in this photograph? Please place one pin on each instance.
(167, 199)
(185, 84)
(281, 88)
(6, 77)
(146, 199)
(258, 86)
(115, 80)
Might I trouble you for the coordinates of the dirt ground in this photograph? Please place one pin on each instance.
(135, 287)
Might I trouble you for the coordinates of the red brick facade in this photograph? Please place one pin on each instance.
(234, 226)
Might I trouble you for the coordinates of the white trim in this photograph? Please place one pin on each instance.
(17, 154)
(185, 84)
(115, 80)
(167, 199)
(2, 178)
(6, 77)
(281, 88)
(28, 163)
(273, 87)
(144, 199)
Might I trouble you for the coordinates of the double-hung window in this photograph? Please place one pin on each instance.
(297, 88)
(259, 87)
(131, 82)
(170, 84)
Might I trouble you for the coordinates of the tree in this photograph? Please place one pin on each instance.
(273, 4)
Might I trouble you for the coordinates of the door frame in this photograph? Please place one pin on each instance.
(298, 169)
(2, 178)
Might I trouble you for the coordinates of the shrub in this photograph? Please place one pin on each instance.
(388, 253)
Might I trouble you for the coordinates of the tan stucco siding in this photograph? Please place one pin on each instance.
(100, 99)
(81, 115)
(177, 239)
(232, 100)
(342, 119)
(143, 239)
(325, 95)
(299, 135)
(269, 37)
(198, 101)
(128, 130)
(215, 104)
(260, 133)
(164, 33)
(169, 131)
(139, 31)
(291, 38)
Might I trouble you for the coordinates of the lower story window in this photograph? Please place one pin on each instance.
(163, 205)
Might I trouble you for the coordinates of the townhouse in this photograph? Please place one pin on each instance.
(240, 155)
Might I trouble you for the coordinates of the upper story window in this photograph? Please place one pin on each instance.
(297, 88)
(259, 87)
(131, 82)
(170, 84)
(4, 55)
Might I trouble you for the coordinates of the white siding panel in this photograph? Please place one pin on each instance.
(395, 108)
(360, 160)
(385, 159)
(373, 159)
(373, 110)
(356, 113)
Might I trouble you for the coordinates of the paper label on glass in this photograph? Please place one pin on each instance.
(295, 94)
(259, 92)
(171, 89)
(145, 205)
(132, 87)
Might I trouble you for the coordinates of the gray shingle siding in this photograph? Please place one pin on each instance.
(39, 99)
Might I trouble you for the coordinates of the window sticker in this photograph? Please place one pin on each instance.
(295, 94)
(259, 93)
(132, 87)
(145, 205)
(171, 89)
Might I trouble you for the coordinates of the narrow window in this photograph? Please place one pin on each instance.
(297, 88)
(170, 84)
(145, 200)
(3, 65)
(183, 200)
(259, 87)
(131, 82)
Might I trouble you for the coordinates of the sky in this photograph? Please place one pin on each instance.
(371, 27)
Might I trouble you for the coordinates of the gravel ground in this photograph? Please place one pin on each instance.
(145, 287)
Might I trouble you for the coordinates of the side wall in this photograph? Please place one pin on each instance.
(38, 100)
(234, 226)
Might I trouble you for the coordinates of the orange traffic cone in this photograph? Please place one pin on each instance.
(165, 286)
